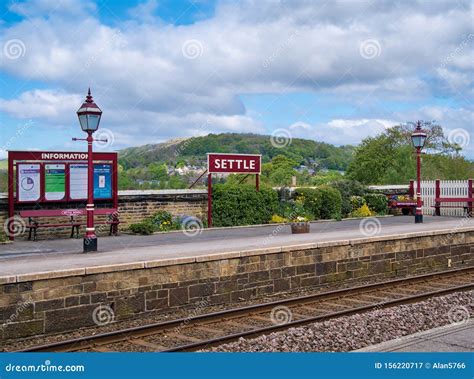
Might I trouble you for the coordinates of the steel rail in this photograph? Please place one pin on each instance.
(106, 338)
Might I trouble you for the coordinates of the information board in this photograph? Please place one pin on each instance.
(29, 182)
(54, 181)
(78, 181)
(102, 181)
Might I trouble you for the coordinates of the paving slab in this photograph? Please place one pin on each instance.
(28, 257)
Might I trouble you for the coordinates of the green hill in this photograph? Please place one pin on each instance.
(193, 151)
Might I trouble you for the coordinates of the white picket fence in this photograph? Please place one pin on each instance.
(449, 188)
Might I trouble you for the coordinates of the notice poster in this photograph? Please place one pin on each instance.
(29, 182)
(54, 181)
(102, 181)
(78, 181)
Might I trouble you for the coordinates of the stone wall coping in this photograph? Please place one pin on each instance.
(50, 274)
(219, 256)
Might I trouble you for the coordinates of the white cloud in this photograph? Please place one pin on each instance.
(341, 131)
(150, 90)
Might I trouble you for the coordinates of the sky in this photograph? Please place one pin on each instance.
(332, 71)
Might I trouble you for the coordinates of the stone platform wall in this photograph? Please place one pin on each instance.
(45, 303)
(134, 206)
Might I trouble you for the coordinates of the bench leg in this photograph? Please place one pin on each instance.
(72, 231)
(34, 233)
(29, 234)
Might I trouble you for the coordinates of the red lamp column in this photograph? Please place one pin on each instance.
(90, 239)
(418, 139)
(89, 117)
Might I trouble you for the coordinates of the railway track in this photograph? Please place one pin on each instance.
(206, 330)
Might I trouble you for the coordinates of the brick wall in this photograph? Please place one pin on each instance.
(35, 304)
(134, 206)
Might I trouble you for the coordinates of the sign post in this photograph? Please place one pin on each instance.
(221, 163)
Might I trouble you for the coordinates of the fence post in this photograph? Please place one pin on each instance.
(437, 196)
(469, 195)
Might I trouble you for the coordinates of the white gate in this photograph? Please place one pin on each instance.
(448, 188)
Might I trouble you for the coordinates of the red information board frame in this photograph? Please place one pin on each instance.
(238, 164)
(58, 157)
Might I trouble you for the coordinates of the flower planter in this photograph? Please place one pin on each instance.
(300, 227)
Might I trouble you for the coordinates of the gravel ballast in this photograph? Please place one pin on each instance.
(357, 331)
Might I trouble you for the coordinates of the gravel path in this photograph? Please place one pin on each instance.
(358, 331)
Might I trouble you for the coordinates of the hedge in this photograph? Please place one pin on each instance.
(377, 202)
(312, 201)
(331, 206)
(323, 202)
(348, 188)
(242, 205)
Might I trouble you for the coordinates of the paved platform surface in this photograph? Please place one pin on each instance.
(24, 257)
(449, 338)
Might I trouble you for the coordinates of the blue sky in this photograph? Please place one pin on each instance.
(333, 71)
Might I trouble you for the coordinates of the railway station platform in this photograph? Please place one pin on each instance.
(28, 257)
(50, 286)
(448, 338)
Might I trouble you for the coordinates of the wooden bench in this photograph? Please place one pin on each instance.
(467, 207)
(33, 225)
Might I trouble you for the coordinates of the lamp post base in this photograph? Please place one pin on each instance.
(90, 244)
(418, 219)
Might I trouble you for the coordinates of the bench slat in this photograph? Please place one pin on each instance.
(454, 200)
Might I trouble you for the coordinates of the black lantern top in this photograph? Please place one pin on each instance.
(89, 114)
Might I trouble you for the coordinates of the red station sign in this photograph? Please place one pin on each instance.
(233, 163)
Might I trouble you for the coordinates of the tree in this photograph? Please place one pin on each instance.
(389, 158)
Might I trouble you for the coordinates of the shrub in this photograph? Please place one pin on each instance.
(312, 201)
(363, 211)
(331, 202)
(242, 205)
(164, 221)
(323, 202)
(348, 188)
(357, 202)
(377, 202)
(145, 228)
(277, 219)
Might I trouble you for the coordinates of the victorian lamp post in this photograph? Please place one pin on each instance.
(418, 139)
(89, 117)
